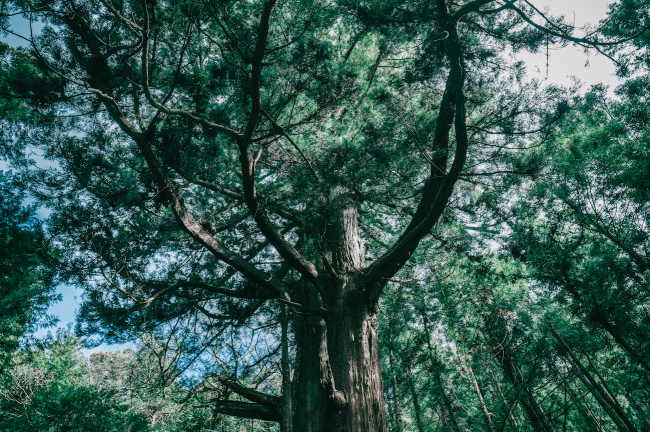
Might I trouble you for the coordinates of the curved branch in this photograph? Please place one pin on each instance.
(511, 5)
(136, 29)
(252, 395)
(188, 223)
(474, 6)
(242, 294)
(440, 184)
(295, 259)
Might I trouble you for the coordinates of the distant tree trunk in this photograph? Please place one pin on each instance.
(587, 415)
(286, 425)
(600, 393)
(525, 395)
(479, 394)
(397, 409)
(604, 404)
(447, 413)
(602, 319)
(645, 425)
(646, 420)
(416, 399)
(507, 406)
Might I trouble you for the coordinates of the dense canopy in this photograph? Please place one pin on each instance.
(342, 216)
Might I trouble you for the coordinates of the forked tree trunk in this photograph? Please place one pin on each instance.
(339, 384)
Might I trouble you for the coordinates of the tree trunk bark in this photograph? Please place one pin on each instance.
(339, 383)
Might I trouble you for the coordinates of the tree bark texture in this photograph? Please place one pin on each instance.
(339, 384)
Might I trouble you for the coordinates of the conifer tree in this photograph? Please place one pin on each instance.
(219, 161)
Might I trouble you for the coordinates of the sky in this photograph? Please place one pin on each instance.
(563, 63)
(571, 60)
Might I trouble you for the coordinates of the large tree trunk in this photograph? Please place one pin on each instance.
(339, 384)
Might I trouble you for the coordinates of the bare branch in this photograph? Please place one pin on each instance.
(247, 410)
(267, 400)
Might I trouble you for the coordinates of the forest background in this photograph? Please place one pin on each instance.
(485, 358)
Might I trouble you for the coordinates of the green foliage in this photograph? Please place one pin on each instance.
(26, 288)
(49, 389)
(524, 309)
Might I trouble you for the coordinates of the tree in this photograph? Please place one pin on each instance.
(221, 160)
(26, 288)
(592, 243)
(47, 389)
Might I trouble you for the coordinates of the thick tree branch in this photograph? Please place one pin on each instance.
(242, 294)
(219, 189)
(474, 6)
(294, 258)
(440, 184)
(247, 410)
(133, 27)
(183, 216)
(239, 315)
(258, 397)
